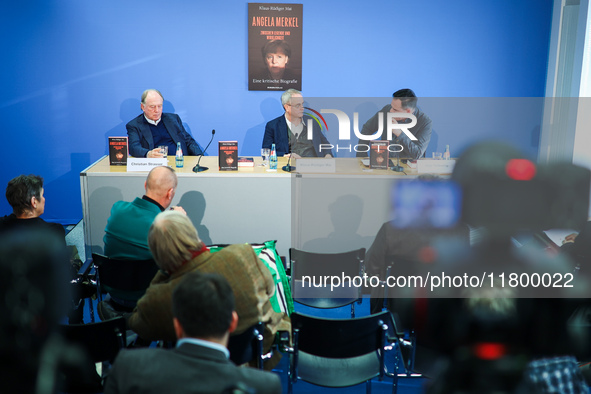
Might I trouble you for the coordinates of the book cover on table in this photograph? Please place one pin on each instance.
(245, 162)
(118, 151)
(228, 155)
(378, 155)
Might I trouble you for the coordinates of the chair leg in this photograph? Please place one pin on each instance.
(91, 307)
(413, 349)
(368, 387)
(395, 383)
(397, 360)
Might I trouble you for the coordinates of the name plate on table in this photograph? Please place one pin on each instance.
(435, 166)
(136, 164)
(317, 165)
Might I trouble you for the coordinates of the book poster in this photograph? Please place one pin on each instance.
(379, 155)
(228, 155)
(274, 46)
(118, 151)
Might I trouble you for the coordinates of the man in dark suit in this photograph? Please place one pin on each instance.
(289, 132)
(204, 317)
(153, 128)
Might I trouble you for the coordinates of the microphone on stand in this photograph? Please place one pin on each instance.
(289, 168)
(398, 167)
(197, 167)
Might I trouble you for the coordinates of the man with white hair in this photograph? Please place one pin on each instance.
(289, 132)
(153, 128)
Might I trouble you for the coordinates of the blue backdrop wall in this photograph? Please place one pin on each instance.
(73, 70)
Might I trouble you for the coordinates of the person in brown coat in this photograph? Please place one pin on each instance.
(177, 250)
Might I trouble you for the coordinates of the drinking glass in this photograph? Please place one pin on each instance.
(265, 152)
(164, 150)
(437, 155)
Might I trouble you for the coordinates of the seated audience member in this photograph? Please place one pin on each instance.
(25, 195)
(146, 132)
(126, 233)
(177, 249)
(33, 284)
(403, 101)
(203, 316)
(407, 251)
(289, 132)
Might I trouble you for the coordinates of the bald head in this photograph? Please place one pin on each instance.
(161, 185)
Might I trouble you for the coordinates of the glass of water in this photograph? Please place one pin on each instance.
(265, 152)
(164, 150)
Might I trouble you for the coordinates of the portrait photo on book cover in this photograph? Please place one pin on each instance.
(274, 71)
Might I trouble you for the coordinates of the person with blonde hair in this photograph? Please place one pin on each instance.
(177, 250)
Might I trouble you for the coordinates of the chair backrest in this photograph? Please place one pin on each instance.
(309, 271)
(325, 264)
(124, 276)
(340, 338)
(101, 340)
(338, 352)
(247, 346)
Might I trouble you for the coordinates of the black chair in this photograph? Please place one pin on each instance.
(83, 288)
(123, 279)
(337, 352)
(404, 344)
(309, 270)
(247, 346)
(100, 342)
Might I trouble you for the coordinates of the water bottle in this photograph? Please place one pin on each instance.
(273, 158)
(446, 155)
(180, 160)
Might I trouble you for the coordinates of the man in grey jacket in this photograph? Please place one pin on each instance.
(403, 101)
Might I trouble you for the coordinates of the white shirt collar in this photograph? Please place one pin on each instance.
(295, 130)
(154, 122)
(202, 342)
